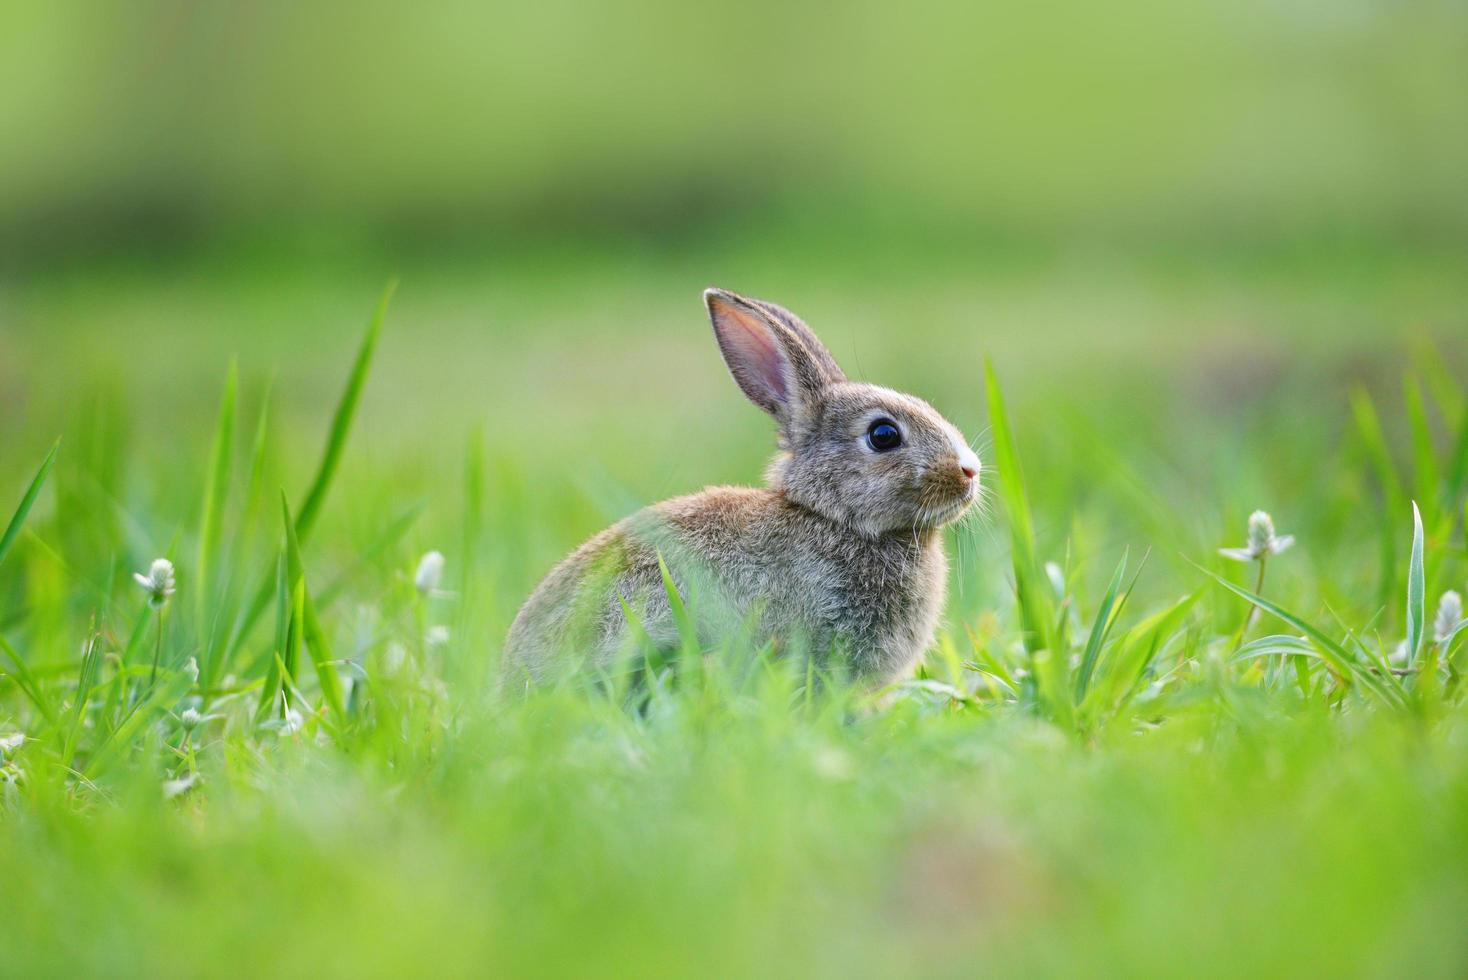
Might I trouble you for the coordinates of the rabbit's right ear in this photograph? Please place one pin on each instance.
(775, 358)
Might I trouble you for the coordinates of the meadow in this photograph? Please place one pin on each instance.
(1128, 753)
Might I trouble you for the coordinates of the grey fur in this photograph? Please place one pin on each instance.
(840, 550)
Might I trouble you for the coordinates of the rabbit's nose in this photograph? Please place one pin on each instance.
(967, 459)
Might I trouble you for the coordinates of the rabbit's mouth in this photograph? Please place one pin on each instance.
(949, 509)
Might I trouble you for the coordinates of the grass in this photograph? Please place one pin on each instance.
(1106, 765)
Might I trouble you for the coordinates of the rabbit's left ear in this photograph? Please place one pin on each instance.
(775, 358)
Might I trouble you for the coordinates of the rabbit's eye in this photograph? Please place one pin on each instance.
(883, 436)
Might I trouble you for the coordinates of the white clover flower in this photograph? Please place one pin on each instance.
(1262, 542)
(158, 583)
(190, 719)
(1449, 616)
(437, 636)
(430, 573)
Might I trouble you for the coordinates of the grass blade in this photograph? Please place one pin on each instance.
(681, 617)
(1344, 663)
(341, 425)
(12, 530)
(216, 490)
(341, 422)
(20, 672)
(1036, 612)
(272, 684)
(1099, 629)
(91, 668)
(314, 636)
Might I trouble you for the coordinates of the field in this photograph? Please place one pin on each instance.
(300, 763)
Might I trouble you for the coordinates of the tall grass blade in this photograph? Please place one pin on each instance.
(12, 530)
(341, 425)
(1099, 629)
(216, 491)
(341, 422)
(1036, 612)
(315, 638)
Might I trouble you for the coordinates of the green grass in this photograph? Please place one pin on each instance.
(1104, 766)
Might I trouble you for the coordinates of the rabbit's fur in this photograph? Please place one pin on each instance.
(840, 551)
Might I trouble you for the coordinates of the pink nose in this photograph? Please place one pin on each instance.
(969, 471)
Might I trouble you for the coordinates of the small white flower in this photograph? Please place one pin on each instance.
(173, 788)
(190, 719)
(158, 583)
(430, 573)
(1449, 616)
(192, 670)
(437, 636)
(393, 658)
(1262, 541)
(292, 722)
(9, 743)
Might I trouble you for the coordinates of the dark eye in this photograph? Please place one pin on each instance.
(883, 436)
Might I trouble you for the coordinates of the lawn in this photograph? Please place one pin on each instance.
(298, 761)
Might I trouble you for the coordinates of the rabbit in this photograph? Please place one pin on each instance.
(841, 550)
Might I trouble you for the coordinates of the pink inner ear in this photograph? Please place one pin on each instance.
(752, 343)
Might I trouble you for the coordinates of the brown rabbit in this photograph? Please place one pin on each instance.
(840, 551)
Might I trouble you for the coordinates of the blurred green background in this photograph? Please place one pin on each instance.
(160, 123)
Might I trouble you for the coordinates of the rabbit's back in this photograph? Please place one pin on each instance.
(745, 558)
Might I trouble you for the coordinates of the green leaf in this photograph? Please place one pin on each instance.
(12, 530)
(1099, 629)
(1138, 648)
(1340, 659)
(1274, 646)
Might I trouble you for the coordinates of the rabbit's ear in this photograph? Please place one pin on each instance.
(774, 357)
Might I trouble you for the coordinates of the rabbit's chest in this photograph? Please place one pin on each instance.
(885, 603)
